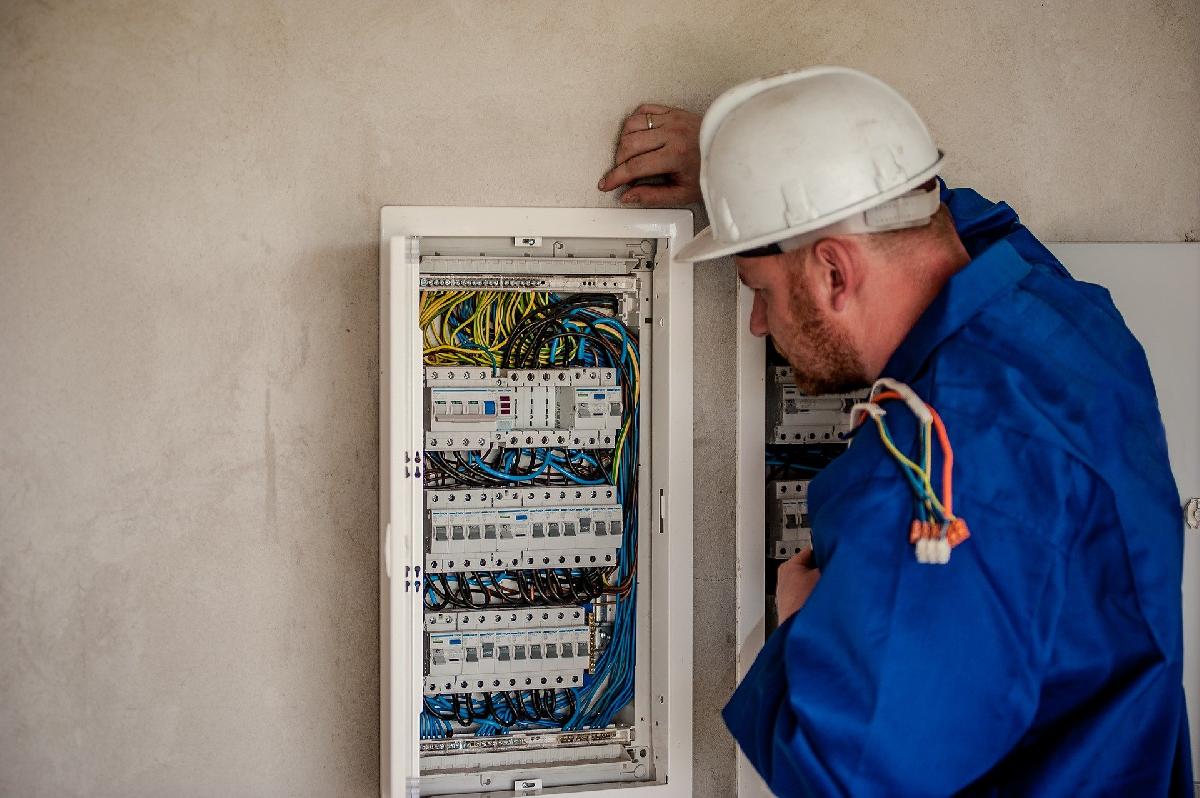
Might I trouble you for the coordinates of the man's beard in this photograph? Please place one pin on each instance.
(820, 354)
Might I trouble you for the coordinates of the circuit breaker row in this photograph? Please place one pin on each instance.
(788, 530)
(532, 408)
(519, 659)
(453, 531)
(501, 539)
(472, 408)
(793, 417)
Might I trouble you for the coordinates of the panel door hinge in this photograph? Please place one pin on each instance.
(1191, 513)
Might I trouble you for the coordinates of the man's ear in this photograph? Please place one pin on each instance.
(836, 271)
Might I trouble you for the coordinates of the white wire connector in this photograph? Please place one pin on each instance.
(866, 409)
(932, 551)
(908, 394)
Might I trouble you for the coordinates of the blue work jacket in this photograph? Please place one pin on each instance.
(1046, 657)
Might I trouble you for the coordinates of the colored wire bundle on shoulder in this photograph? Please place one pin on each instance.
(935, 530)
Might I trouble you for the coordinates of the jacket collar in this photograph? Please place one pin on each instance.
(994, 272)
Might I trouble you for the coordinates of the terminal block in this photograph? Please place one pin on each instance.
(487, 620)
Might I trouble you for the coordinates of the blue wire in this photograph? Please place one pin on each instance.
(478, 463)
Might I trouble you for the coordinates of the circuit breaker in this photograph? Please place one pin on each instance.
(797, 418)
(788, 531)
(535, 501)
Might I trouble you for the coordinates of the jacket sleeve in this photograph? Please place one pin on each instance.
(897, 677)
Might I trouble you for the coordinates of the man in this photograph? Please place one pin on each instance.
(1044, 657)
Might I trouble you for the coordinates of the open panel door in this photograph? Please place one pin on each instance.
(1157, 289)
(400, 474)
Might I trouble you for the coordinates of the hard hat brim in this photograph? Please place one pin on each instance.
(705, 246)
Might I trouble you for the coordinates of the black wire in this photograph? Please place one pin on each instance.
(458, 711)
(496, 716)
(570, 707)
(463, 585)
(519, 354)
(453, 595)
(487, 597)
(537, 704)
(518, 712)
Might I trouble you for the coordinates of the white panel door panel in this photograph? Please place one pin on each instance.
(1157, 289)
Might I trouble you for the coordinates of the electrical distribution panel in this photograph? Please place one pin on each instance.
(535, 505)
(803, 435)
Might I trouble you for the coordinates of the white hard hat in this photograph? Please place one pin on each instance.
(791, 154)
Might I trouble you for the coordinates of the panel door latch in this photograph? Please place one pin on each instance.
(527, 786)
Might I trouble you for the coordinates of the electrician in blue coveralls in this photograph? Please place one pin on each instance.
(1045, 657)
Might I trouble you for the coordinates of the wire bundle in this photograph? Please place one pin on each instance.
(511, 589)
(497, 466)
(497, 713)
(800, 462)
(935, 530)
(514, 330)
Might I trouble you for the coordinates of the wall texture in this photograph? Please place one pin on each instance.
(189, 197)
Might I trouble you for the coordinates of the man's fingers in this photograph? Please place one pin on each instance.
(638, 142)
(657, 140)
(638, 121)
(656, 162)
(653, 108)
(657, 196)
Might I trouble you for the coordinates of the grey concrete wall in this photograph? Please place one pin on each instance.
(189, 197)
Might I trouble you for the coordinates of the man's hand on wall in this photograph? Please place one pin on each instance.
(797, 578)
(658, 142)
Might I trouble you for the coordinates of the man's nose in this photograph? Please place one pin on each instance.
(758, 316)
